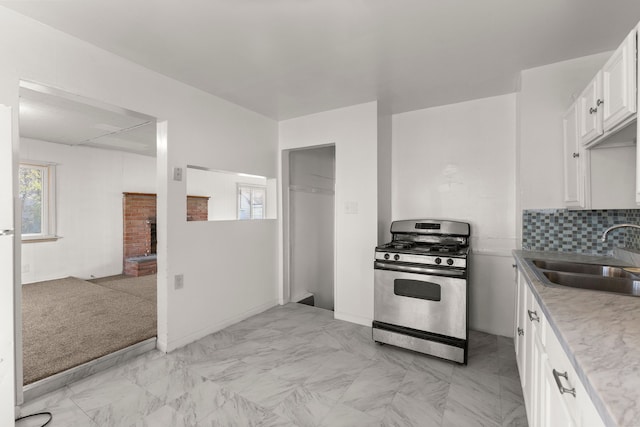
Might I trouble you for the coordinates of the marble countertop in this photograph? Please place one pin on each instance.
(600, 332)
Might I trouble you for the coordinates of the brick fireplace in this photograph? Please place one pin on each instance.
(139, 215)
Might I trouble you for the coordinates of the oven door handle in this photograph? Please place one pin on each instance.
(419, 270)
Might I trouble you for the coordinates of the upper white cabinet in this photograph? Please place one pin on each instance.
(608, 103)
(619, 84)
(576, 162)
(604, 115)
(590, 115)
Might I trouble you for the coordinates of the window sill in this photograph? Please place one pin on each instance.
(35, 239)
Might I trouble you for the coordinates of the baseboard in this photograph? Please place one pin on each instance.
(161, 344)
(364, 321)
(188, 339)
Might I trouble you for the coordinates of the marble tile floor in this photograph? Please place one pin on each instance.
(294, 365)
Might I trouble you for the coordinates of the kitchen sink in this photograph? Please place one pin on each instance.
(595, 283)
(595, 277)
(592, 269)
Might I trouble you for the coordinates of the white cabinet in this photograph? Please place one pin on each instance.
(576, 163)
(603, 116)
(608, 103)
(619, 84)
(553, 393)
(557, 413)
(530, 352)
(520, 338)
(589, 115)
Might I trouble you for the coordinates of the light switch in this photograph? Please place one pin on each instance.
(351, 208)
(178, 282)
(177, 174)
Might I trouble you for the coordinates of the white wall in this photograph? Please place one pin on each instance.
(613, 178)
(385, 139)
(353, 130)
(195, 128)
(90, 183)
(458, 162)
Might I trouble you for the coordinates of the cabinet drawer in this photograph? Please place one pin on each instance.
(536, 320)
(565, 378)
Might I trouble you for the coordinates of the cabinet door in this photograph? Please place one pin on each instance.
(589, 113)
(532, 320)
(554, 410)
(538, 403)
(619, 84)
(521, 309)
(571, 149)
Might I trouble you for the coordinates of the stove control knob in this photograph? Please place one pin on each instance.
(450, 261)
(396, 257)
(438, 260)
(386, 256)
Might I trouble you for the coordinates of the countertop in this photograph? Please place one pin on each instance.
(600, 332)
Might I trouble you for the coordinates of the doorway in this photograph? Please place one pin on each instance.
(78, 157)
(311, 237)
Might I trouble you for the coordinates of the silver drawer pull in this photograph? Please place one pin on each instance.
(563, 390)
(520, 331)
(533, 316)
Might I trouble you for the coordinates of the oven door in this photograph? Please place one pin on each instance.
(424, 302)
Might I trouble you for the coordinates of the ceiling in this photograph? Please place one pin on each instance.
(287, 58)
(66, 119)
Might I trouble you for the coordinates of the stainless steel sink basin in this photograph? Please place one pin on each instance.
(591, 269)
(596, 283)
(596, 277)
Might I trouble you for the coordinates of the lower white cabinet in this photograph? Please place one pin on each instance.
(553, 393)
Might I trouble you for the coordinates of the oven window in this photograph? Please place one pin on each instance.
(416, 289)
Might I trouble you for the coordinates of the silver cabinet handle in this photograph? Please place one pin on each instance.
(563, 390)
(6, 232)
(593, 110)
(520, 331)
(599, 102)
(576, 155)
(533, 316)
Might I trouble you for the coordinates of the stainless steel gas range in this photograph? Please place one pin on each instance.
(421, 288)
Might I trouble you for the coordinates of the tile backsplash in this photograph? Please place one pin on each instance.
(579, 231)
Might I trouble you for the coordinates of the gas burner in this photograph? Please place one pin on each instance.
(444, 248)
(401, 245)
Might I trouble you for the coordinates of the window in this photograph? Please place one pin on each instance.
(37, 196)
(251, 201)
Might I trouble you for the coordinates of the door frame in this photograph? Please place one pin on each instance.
(285, 294)
(162, 229)
(8, 352)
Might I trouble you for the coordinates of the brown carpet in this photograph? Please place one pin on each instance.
(70, 321)
(144, 286)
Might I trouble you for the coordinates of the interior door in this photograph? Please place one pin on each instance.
(7, 320)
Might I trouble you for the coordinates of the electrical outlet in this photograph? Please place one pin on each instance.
(177, 174)
(178, 281)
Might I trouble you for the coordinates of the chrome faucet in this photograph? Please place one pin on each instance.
(604, 235)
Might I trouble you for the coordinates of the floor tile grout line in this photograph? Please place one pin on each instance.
(78, 406)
